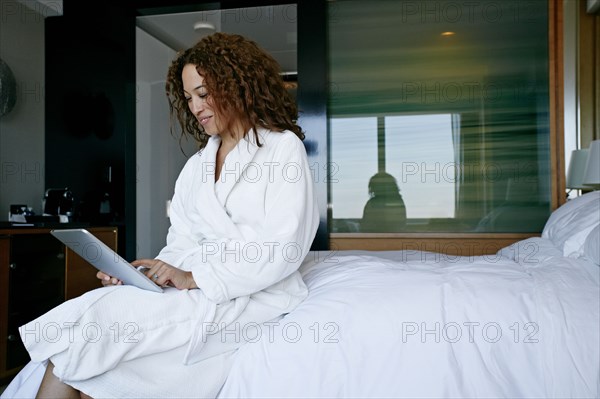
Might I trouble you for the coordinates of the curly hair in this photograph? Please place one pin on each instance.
(382, 184)
(244, 84)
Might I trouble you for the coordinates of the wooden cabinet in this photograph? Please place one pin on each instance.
(37, 273)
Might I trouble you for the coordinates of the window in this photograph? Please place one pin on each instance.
(354, 151)
(419, 153)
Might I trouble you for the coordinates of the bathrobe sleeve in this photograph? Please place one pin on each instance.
(267, 245)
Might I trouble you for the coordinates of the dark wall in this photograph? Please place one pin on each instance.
(90, 114)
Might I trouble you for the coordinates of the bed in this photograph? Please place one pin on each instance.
(524, 322)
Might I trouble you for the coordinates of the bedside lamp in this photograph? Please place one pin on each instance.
(591, 177)
(577, 169)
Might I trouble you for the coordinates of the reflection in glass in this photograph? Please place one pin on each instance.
(461, 121)
(385, 210)
(354, 155)
(419, 151)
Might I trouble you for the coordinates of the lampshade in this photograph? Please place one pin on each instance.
(577, 169)
(591, 177)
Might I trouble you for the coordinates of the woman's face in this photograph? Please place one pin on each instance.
(197, 97)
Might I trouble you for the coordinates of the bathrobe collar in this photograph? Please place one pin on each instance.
(214, 194)
(235, 163)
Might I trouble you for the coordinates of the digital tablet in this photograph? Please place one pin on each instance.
(98, 254)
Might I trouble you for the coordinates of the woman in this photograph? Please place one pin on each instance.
(243, 217)
(385, 210)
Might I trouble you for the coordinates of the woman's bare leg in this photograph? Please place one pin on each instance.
(53, 388)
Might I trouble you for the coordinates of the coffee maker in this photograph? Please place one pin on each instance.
(58, 202)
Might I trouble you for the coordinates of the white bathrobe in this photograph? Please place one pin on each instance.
(243, 238)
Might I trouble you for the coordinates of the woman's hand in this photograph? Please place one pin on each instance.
(164, 274)
(108, 280)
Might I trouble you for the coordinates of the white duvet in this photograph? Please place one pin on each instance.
(522, 323)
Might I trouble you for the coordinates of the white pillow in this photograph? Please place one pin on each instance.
(569, 226)
(591, 247)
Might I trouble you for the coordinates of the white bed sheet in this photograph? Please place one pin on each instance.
(522, 323)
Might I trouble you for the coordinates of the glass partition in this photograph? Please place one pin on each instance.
(439, 116)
